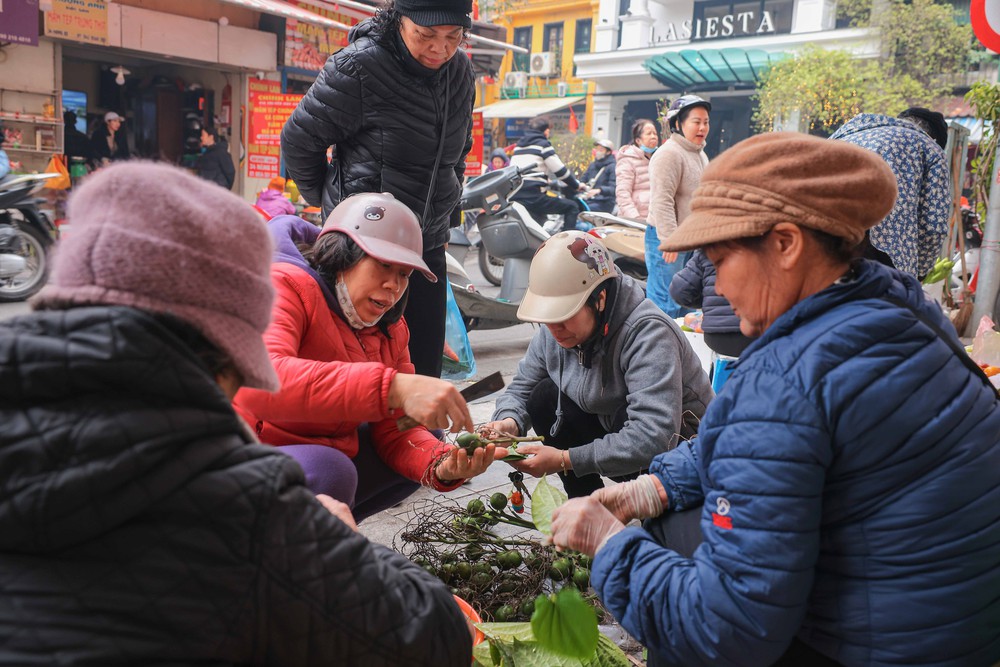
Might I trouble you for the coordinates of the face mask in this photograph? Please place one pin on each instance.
(350, 314)
(648, 150)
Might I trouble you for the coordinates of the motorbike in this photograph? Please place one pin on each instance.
(26, 236)
(624, 238)
(508, 233)
(490, 266)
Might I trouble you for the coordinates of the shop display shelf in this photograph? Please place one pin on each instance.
(37, 119)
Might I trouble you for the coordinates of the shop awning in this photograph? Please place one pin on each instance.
(529, 107)
(691, 70)
(278, 8)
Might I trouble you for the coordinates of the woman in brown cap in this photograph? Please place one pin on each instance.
(845, 477)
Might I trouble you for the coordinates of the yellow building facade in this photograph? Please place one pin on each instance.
(543, 81)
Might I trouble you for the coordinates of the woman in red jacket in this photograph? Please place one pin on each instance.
(339, 345)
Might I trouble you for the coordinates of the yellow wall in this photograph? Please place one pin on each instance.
(538, 14)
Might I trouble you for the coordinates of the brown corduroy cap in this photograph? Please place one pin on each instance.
(831, 186)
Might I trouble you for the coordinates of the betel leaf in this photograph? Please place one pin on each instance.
(564, 623)
(514, 645)
(544, 501)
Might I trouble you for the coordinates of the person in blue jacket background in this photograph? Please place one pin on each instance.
(845, 480)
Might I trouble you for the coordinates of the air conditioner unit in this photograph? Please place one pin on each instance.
(543, 64)
(518, 80)
(562, 88)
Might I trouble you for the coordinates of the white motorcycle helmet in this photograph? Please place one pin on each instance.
(684, 102)
(564, 272)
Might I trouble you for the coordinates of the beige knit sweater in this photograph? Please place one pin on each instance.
(674, 173)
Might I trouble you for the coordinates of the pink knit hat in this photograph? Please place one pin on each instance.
(157, 238)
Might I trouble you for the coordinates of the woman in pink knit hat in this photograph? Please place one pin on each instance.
(140, 521)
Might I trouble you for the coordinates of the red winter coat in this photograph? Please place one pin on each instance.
(333, 379)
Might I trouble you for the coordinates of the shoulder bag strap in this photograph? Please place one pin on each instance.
(949, 339)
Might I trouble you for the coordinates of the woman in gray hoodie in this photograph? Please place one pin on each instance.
(610, 381)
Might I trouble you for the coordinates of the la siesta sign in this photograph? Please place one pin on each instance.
(728, 25)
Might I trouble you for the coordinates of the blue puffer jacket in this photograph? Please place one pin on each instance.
(694, 287)
(849, 477)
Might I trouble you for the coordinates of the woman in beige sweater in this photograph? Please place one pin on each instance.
(632, 170)
(674, 173)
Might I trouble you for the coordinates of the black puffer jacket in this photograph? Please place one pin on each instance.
(383, 112)
(694, 287)
(139, 524)
(216, 165)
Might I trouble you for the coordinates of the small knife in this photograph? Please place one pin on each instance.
(488, 385)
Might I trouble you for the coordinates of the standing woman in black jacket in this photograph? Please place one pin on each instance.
(216, 164)
(397, 104)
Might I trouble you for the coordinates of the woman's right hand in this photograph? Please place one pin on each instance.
(430, 401)
(669, 257)
(506, 426)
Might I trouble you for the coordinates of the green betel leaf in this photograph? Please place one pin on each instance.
(566, 624)
(544, 501)
(515, 645)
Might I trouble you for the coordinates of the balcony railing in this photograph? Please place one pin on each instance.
(536, 89)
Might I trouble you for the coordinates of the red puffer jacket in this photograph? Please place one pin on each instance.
(333, 379)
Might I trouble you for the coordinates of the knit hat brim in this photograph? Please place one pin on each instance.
(428, 18)
(173, 257)
(237, 338)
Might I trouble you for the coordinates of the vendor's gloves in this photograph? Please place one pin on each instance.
(642, 498)
(584, 525)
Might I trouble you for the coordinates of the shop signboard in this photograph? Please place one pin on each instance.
(19, 22)
(78, 21)
(740, 24)
(307, 46)
(474, 160)
(269, 109)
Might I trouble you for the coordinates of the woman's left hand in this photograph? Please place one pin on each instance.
(459, 465)
(546, 460)
(584, 525)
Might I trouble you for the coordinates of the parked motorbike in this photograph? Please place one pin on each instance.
(489, 265)
(26, 237)
(624, 238)
(507, 232)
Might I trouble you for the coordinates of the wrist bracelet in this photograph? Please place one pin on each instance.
(562, 460)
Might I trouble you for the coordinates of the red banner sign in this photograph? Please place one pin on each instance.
(307, 46)
(474, 160)
(269, 109)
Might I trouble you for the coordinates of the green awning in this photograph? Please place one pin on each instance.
(691, 70)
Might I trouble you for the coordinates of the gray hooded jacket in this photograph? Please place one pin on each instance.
(644, 361)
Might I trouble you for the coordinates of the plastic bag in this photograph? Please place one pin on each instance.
(57, 166)
(458, 362)
(986, 344)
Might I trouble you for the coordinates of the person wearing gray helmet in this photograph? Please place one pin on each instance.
(609, 381)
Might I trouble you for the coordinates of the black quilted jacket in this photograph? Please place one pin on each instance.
(383, 112)
(139, 524)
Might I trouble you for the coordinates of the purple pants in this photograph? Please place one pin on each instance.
(365, 482)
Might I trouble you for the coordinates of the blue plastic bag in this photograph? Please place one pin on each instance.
(458, 362)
